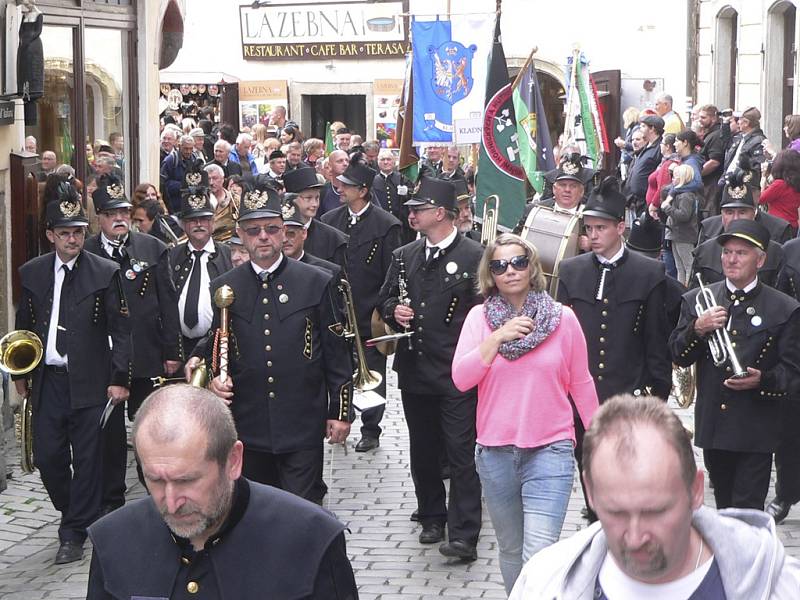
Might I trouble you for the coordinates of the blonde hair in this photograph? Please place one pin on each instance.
(259, 132)
(630, 116)
(682, 174)
(486, 285)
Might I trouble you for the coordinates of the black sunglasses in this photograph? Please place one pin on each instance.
(500, 265)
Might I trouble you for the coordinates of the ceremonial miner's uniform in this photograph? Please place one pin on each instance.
(739, 430)
(391, 191)
(155, 330)
(290, 363)
(272, 545)
(374, 235)
(193, 268)
(69, 390)
(780, 231)
(441, 290)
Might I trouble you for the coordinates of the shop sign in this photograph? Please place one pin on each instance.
(387, 94)
(7, 113)
(324, 30)
(258, 100)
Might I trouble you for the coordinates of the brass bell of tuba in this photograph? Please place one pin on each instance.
(20, 353)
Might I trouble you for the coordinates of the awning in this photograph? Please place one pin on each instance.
(217, 77)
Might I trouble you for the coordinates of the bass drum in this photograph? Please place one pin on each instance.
(555, 235)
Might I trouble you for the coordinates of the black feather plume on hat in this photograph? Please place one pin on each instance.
(357, 158)
(736, 178)
(609, 185)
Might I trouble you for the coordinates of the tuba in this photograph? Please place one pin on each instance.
(20, 352)
(491, 214)
(363, 377)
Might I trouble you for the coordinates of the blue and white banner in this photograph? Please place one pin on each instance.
(449, 65)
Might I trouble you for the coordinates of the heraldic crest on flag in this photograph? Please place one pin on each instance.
(452, 70)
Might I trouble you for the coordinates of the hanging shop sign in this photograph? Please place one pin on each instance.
(324, 30)
(259, 99)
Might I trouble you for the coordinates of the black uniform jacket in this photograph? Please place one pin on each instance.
(626, 331)
(180, 257)
(326, 242)
(290, 363)
(789, 277)
(441, 297)
(96, 311)
(764, 327)
(708, 262)
(369, 253)
(282, 547)
(147, 283)
(779, 230)
(328, 266)
(384, 188)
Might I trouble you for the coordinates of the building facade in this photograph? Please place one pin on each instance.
(746, 56)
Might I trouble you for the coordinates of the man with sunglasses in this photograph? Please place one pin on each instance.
(73, 301)
(196, 261)
(619, 299)
(289, 381)
(438, 272)
(155, 328)
(374, 235)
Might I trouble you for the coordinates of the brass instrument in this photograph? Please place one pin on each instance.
(198, 379)
(719, 343)
(402, 291)
(20, 352)
(684, 381)
(223, 298)
(363, 377)
(491, 214)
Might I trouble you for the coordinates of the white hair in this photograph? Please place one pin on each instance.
(222, 144)
(213, 168)
(185, 139)
(244, 137)
(385, 152)
(168, 131)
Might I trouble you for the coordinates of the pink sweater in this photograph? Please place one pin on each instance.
(524, 402)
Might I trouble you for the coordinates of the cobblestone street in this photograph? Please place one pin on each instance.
(372, 493)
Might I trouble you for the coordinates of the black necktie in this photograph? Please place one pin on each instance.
(432, 251)
(61, 329)
(193, 293)
(264, 276)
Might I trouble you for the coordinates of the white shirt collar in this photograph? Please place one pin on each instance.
(359, 213)
(59, 263)
(209, 247)
(445, 243)
(258, 270)
(614, 258)
(750, 286)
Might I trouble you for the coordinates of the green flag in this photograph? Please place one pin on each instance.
(499, 170)
(328, 139)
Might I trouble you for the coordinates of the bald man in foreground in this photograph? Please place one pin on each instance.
(205, 531)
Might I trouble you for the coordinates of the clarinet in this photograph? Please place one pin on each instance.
(402, 290)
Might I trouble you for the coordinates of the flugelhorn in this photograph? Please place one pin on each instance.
(491, 213)
(20, 352)
(223, 298)
(363, 377)
(719, 343)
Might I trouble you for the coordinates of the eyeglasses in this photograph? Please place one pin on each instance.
(255, 230)
(500, 265)
(65, 235)
(417, 209)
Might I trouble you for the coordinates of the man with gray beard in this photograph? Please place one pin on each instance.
(225, 536)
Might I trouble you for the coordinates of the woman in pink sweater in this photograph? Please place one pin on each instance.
(527, 355)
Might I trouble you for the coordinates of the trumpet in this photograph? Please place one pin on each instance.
(20, 353)
(363, 377)
(491, 213)
(719, 343)
(223, 298)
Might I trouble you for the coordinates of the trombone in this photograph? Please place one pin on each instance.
(491, 214)
(719, 343)
(363, 377)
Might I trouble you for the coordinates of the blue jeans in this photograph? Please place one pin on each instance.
(527, 491)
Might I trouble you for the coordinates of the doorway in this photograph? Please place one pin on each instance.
(327, 108)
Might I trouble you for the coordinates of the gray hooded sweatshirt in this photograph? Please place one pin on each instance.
(751, 560)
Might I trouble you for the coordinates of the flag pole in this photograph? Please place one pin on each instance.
(573, 88)
(521, 72)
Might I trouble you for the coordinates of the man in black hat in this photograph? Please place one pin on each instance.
(645, 162)
(465, 203)
(295, 238)
(322, 240)
(290, 383)
(374, 235)
(196, 261)
(738, 416)
(737, 204)
(276, 170)
(391, 190)
(619, 299)
(155, 328)
(73, 301)
(438, 274)
(239, 254)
